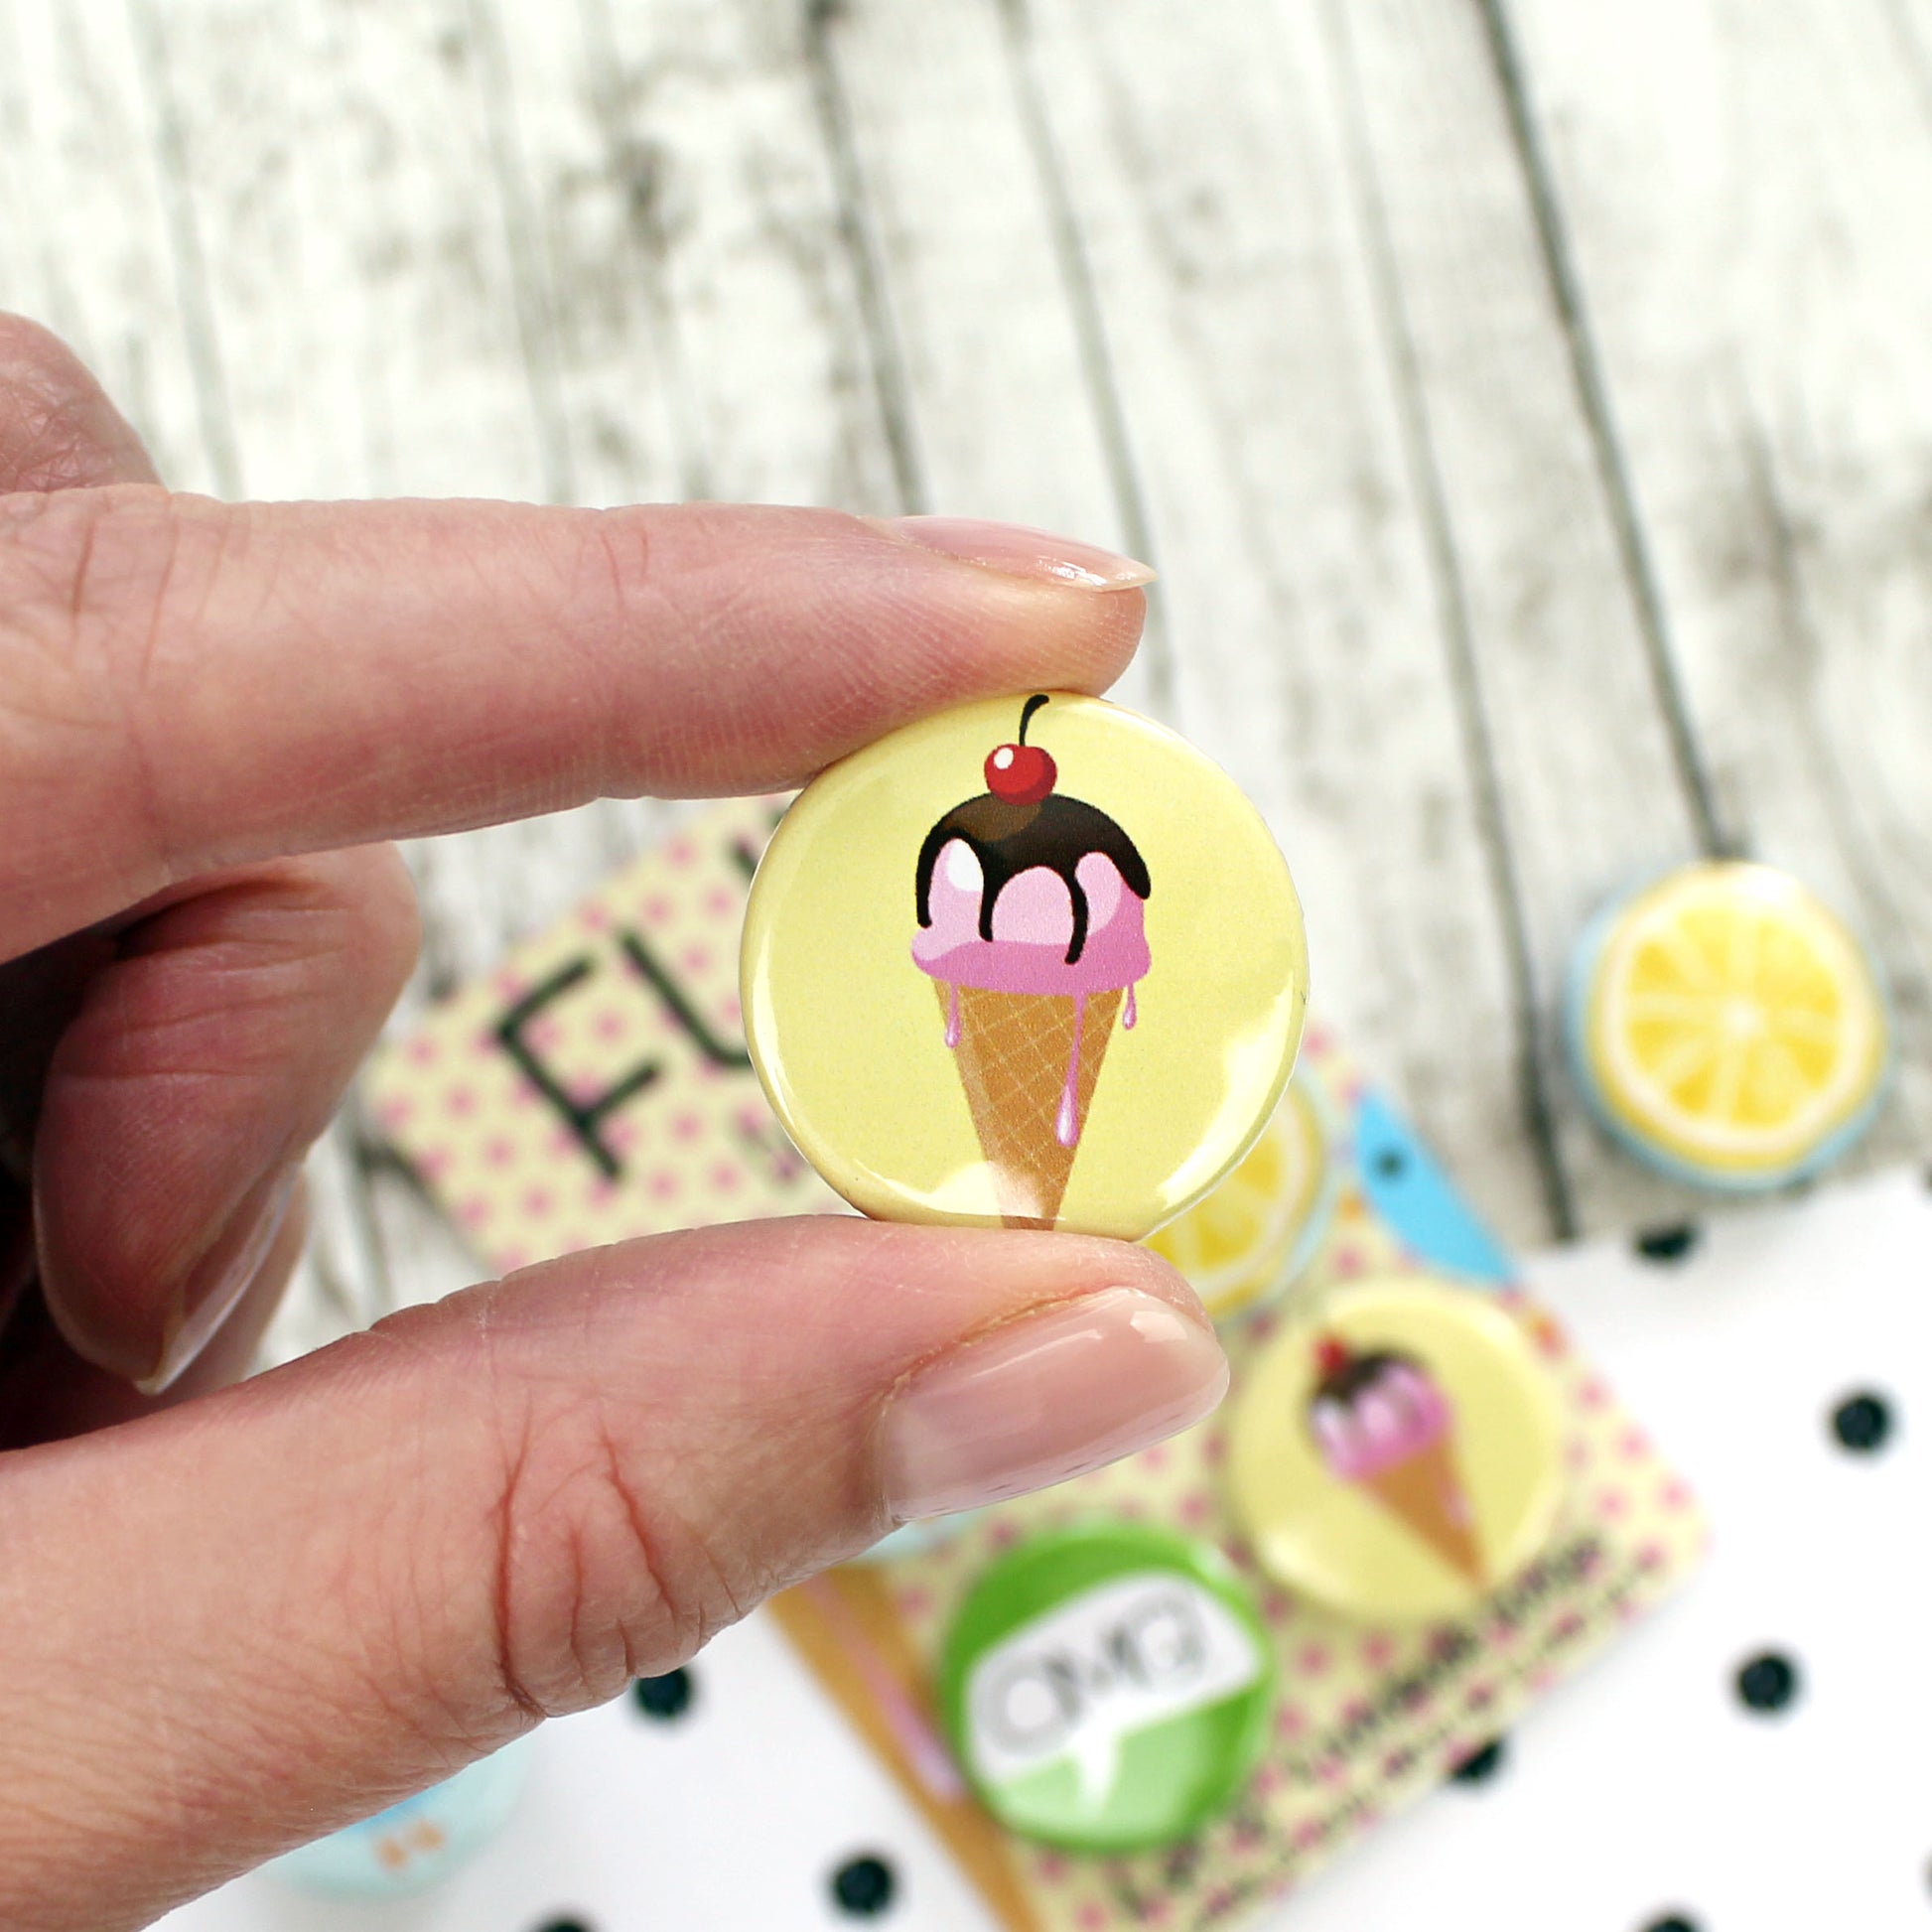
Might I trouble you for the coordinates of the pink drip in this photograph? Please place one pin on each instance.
(952, 1018)
(931, 1762)
(1067, 1127)
(1133, 1012)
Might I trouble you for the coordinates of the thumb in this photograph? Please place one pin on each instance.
(247, 1621)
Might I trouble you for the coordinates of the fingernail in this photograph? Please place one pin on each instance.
(220, 1279)
(1047, 1397)
(1014, 550)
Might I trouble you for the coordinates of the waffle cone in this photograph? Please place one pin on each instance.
(1426, 1490)
(1012, 1060)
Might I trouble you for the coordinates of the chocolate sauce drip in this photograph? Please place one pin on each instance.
(1347, 1382)
(1010, 839)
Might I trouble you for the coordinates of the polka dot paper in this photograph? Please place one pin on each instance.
(1368, 1718)
(596, 1086)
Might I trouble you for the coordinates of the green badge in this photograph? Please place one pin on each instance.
(1107, 1687)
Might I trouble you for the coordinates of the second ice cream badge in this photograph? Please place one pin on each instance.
(1035, 962)
(1382, 1421)
(1396, 1452)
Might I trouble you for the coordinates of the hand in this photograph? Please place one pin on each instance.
(232, 1619)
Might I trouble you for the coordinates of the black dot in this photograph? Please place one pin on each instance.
(564, 1925)
(864, 1886)
(1390, 1162)
(1668, 1244)
(1767, 1683)
(664, 1697)
(1671, 1922)
(1863, 1422)
(1481, 1765)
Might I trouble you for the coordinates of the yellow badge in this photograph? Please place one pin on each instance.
(1246, 1244)
(1396, 1453)
(1727, 1027)
(1036, 961)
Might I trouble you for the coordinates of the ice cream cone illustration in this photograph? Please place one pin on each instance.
(1381, 1420)
(1031, 925)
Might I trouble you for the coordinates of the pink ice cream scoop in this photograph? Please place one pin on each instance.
(1025, 943)
(1371, 1412)
(1381, 1420)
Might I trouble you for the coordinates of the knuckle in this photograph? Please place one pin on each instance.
(82, 570)
(615, 563)
(80, 576)
(612, 596)
(92, 584)
(598, 1582)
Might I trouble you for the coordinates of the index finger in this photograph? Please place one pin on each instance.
(187, 684)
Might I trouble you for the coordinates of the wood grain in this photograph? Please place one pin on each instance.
(1780, 437)
(1528, 405)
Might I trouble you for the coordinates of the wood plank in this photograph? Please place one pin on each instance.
(1004, 400)
(89, 250)
(1568, 666)
(31, 283)
(1738, 186)
(734, 226)
(1308, 618)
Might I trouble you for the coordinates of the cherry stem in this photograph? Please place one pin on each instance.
(1027, 711)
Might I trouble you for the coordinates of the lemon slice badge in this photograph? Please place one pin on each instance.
(1725, 1026)
(1246, 1243)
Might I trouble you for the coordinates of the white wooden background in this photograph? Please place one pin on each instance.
(1527, 405)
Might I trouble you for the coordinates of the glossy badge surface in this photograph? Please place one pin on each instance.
(1036, 961)
(1245, 1245)
(1725, 1026)
(1107, 1687)
(1397, 1453)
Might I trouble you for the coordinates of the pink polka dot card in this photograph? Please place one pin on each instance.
(596, 1086)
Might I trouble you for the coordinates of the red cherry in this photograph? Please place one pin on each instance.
(1331, 1356)
(1022, 774)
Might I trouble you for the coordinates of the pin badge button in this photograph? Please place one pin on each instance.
(1396, 1452)
(1107, 1687)
(1727, 1027)
(1252, 1238)
(1036, 961)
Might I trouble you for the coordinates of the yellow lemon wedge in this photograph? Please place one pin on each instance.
(1239, 1246)
(1727, 1025)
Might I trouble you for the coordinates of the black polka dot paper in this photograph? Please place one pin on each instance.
(863, 1887)
(1862, 1423)
(1767, 1683)
(663, 1699)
